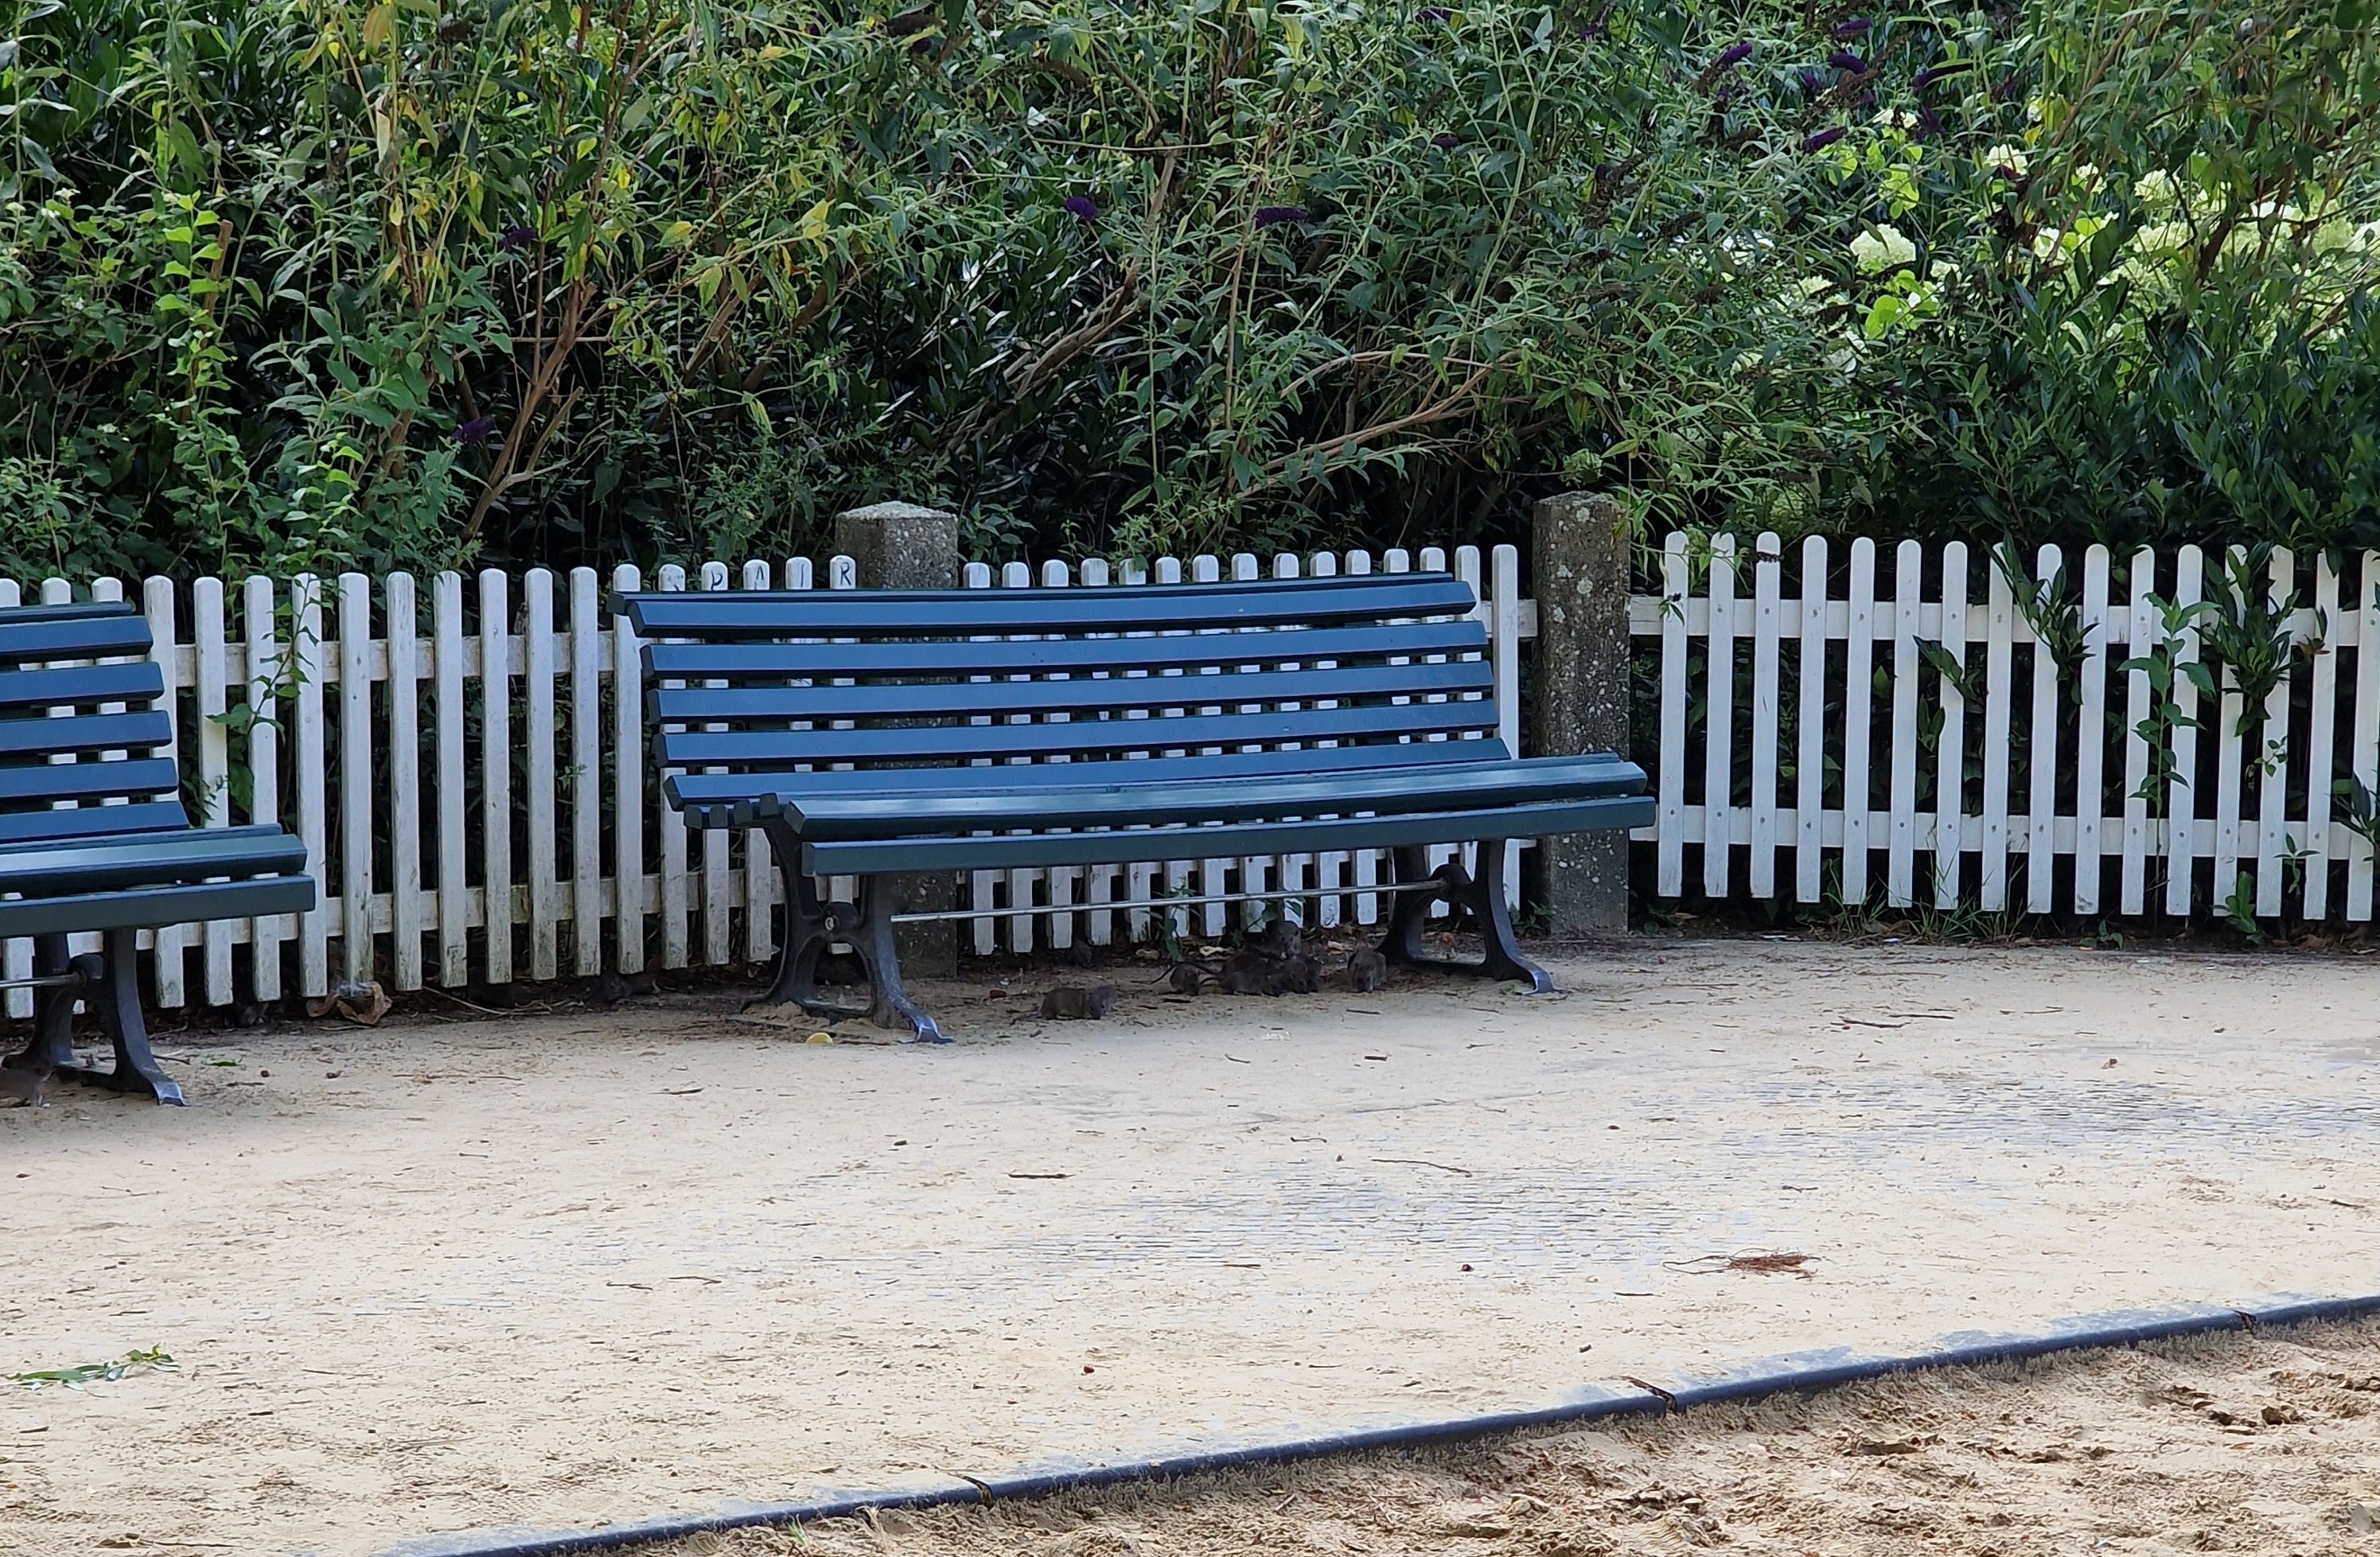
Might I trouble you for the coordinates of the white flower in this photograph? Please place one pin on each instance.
(2164, 237)
(2088, 179)
(2048, 244)
(1883, 247)
(2156, 191)
(1894, 118)
(2009, 160)
(1814, 287)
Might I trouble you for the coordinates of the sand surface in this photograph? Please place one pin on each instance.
(2161, 1450)
(564, 1269)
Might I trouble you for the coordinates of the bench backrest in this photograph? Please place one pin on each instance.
(764, 681)
(84, 747)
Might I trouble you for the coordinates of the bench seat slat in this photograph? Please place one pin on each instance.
(69, 866)
(145, 906)
(90, 732)
(927, 700)
(136, 682)
(941, 612)
(1037, 803)
(776, 750)
(82, 636)
(1126, 845)
(87, 780)
(744, 799)
(80, 821)
(779, 662)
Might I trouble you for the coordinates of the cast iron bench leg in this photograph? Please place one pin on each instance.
(51, 1047)
(873, 940)
(112, 982)
(812, 925)
(1483, 899)
(810, 928)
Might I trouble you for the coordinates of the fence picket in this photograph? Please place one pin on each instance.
(760, 869)
(355, 779)
(2090, 755)
(1809, 729)
(1859, 714)
(676, 942)
(1768, 629)
(585, 774)
(1950, 747)
(2181, 800)
(2138, 846)
(716, 891)
(260, 620)
(2363, 756)
(312, 810)
(627, 783)
(1999, 704)
(157, 605)
(1719, 720)
(538, 673)
(213, 700)
(2321, 728)
(2272, 762)
(1669, 784)
(454, 881)
(496, 773)
(403, 780)
(2043, 755)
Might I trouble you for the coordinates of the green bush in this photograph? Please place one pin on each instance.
(310, 282)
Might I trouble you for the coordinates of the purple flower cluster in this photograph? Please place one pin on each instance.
(1823, 139)
(1735, 55)
(1278, 215)
(1851, 28)
(1445, 142)
(1847, 62)
(516, 239)
(1081, 208)
(474, 433)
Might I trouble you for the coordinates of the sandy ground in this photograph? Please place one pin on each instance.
(2220, 1444)
(577, 1268)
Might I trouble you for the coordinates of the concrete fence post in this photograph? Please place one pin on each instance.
(1580, 553)
(904, 546)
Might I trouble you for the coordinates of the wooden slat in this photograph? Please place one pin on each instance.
(496, 772)
(17, 957)
(2321, 744)
(1810, 728)
(586, 774)
(1719, 720)
(1901, 860)
(2363, 755)
(355, 777)
(2229, 752)
(627, 783)
(2181, 795)
(2000, 702)
(260, 617)
(538, 664)
(453, 890)
(2138, 847)
(2090, 751)
(1768, 631)
(407, 919)
(1950, 747)
(717, 891)
(1859, 710)
(676, 948)
(2276, 742)
(309, 651)
(106, 634)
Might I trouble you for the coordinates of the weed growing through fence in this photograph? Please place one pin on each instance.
(2240, 909)
(2053, 609)
(2247, 632)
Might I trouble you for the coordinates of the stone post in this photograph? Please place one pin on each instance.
(903, 546)
(1579, 555)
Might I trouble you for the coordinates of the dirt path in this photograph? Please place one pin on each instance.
(577, 1268)
(2267, 1445)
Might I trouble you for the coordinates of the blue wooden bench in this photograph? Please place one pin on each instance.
(93, 837)
(877, 732)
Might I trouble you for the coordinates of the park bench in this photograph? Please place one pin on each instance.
(873, 734)
(93, 837)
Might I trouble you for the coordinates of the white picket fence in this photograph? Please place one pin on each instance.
(414, 754)
(2028, 812)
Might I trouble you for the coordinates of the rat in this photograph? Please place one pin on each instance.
(1366, 971)
(1074, 1003)
(1247, 972)
(28, 1086)
(1298, 975)
(1189, 977)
